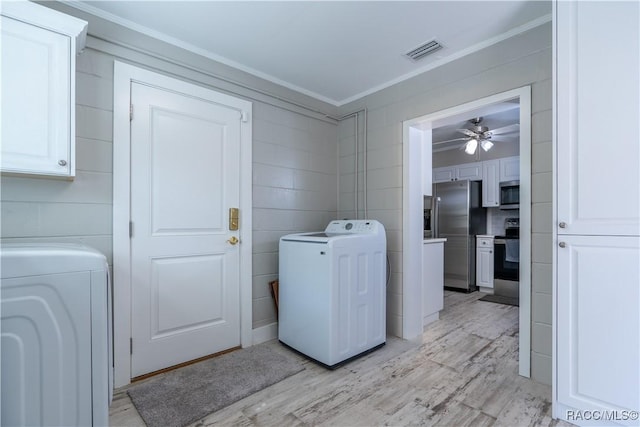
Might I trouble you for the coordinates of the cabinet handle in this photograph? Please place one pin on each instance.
(62, 162)
(563, 225)
(562, 244)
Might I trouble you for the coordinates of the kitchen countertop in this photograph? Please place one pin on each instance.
(485, 235)
(429, 241)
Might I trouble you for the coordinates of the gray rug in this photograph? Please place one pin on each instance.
(185, 395)
(499, 299)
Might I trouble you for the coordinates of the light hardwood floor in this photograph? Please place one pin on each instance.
(463, 374)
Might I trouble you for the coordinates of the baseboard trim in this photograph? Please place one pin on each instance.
(265, 333)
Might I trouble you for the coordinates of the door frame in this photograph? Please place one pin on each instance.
(416, 134)
(123, 75)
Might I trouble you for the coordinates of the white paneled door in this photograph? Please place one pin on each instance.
(185, 157)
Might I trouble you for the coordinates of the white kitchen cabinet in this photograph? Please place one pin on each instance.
(444, 174)
(509, 169)
(432, 279)
(470, 171)
(490, 184)
(39, 46)
(597, 238)
(484, 262)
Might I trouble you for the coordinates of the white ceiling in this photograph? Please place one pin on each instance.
(335, 51)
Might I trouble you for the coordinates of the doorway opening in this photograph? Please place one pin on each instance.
(418, 161)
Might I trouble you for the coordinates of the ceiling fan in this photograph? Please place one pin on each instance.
(480, 135)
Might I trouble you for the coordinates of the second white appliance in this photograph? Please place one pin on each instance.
(56, 335)
(332, 296)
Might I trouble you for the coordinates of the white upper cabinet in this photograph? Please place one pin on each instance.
(490, 184)
(39, 46)
(444, 174)
(470, 171)
(598, 149)
(510, 169)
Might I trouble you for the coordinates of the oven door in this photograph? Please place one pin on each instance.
(506, 265)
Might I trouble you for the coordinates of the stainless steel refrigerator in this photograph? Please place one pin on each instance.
(458, 216)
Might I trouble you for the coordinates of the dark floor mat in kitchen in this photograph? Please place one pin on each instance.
(499, 299)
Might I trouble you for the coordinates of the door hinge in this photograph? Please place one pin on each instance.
(130, 345)
(130, 229)
(130, 112)
(244, 116)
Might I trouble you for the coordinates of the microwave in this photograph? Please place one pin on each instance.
(510, 195)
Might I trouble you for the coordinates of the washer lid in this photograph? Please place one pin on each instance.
(315, 237)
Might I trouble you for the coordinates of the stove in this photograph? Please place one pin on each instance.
(506, 261)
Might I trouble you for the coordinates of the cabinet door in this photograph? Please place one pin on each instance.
(484, 263)
(490, 184)
(36, 90)
(444, 174)
(470, 171)
(598, 327)
(509, 169)
(598, 144)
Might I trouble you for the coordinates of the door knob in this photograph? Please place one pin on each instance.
(563, 225)
(562, 244)
(233, 240)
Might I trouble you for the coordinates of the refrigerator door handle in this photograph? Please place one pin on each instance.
(434, 217)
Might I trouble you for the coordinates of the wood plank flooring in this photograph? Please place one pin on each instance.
(463, 374)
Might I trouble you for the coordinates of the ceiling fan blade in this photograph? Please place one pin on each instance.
(506, 129)
(449, 140)
(468, 132)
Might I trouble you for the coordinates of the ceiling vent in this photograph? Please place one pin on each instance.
(423, 50)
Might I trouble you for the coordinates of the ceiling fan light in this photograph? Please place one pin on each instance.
(471, 146)
(486, 144)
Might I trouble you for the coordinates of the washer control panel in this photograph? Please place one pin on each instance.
(353, 226)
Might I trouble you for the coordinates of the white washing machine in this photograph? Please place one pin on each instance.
(332, 291)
